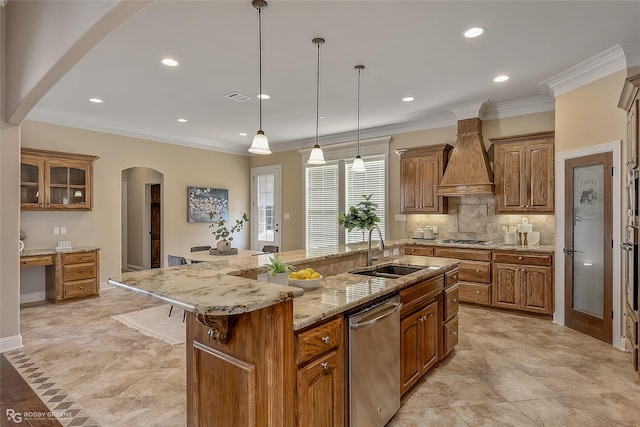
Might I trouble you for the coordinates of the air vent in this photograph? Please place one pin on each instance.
(237, 96)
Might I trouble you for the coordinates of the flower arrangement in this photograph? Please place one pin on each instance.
(222, 231)
(362, 216)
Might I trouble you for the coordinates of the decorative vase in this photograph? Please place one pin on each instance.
(279, 278)
(223, 245)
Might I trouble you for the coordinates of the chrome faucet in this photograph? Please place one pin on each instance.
(371, 258)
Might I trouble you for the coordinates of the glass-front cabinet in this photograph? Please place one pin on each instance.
(51, 180)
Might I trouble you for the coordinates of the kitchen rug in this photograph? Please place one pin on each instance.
(155, 322)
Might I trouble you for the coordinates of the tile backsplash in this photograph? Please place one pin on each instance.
(474, 217)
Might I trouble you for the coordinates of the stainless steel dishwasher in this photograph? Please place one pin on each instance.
(374, 364)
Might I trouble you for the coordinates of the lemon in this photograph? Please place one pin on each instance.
(315, 275)
(310, 270)
(303, 275)
(293, 275)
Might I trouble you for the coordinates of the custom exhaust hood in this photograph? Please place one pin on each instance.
(468, 170)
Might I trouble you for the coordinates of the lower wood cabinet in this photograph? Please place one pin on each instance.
(451, 298)
(523, 286)
(631, 332)
(419, 339)
(75, 275)
(320, 376)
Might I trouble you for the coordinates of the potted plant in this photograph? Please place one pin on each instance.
(278, 271)
(362, 216)
(223, 233)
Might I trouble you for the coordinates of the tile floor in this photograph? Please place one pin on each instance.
(507, 370)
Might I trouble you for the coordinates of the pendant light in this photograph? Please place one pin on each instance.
(260, 143)
(358, 163)
(317, 156)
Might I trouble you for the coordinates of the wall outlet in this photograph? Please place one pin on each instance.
(396, 251)
(435, 229)
(56, 230)
(63, 230)
(287, 216)
(401, 217)
(386, 253)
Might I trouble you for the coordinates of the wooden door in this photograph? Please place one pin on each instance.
(540, 177)
(506, 285)
(410, 365)
(537, 293)
(320, 392)
(410, 184)
(155, 207)
(589, 245)
(510, 177)
(429, 336)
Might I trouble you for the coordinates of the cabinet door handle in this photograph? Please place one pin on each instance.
(325, 340)
(454, 333)
(325, 365)
(477, 270)
(520, 258)
(81, 288)
(478, 292)
(454, 299)
(80, 271)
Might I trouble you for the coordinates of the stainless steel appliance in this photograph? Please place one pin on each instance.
(374, 364)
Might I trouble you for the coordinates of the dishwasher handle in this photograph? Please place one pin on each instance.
(377, 316)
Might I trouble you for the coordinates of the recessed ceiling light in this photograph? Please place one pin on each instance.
(264, 96)
(95, 100)
(501, 79)
(181, 120)
(322, 117)
(408, 98)
(170, 62)
(474, 32)
(242, 134)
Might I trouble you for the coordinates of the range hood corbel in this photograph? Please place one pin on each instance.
(468, 169)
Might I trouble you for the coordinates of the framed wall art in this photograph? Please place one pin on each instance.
(203, 200)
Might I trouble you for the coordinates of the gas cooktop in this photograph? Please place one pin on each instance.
(468, 242)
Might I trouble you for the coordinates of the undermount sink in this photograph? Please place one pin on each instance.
(389, 271)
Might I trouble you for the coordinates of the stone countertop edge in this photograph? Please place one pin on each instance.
(53, 251)
(493, 246)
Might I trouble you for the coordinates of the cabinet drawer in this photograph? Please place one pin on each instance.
(475, 271)
(451, 278)
(415, 296)
(520, 258)
(318, 340)
(79, 271)
(78, 257)
(450, 335)
(631, 329)
(476, 293)
(450, 302)
(80, 288)
(418, 250)
(468, 254)
(34, 261)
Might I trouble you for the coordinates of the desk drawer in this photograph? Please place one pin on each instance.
(78, 257)
(79, 271)
(80, 288)
(450, 302)
(520, 258)
(476, 293)
(35, 261)
(318, 340)
(475, 271)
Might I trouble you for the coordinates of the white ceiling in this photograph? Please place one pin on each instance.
(412, 48)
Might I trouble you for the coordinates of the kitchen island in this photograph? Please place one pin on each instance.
(261, 354)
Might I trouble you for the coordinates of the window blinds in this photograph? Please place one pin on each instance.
(322, 185)
(370, 182)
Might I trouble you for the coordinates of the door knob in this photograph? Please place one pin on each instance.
(567, 251)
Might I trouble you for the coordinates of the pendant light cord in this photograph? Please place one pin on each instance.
(318, 95)
(359, 70)
(260, 55)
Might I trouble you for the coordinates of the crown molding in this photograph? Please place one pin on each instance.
(632, 54)
(519, 107)
(594, 68)
(48, 115)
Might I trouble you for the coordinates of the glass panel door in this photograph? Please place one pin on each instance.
(265, 207)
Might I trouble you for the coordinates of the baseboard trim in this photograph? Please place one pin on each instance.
(33, 297)
(10, 343)
(132, 267)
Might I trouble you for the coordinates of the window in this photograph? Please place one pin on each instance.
(322, 206)
(370, 182)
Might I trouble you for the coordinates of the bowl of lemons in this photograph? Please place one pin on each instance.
(307, 279)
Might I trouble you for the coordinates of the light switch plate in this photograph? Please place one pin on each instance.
(63, 230)
(401, 217)
(386, 253)
(287, 216)
(56, 230)
(396, 251)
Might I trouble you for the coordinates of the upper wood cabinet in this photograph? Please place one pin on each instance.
(524, 173)
(630, 102)
(421, 169)
(50, 180)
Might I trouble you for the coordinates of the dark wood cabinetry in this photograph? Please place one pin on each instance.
(420, 172)
(524, 173)
(50, 180)
(523, 285)
(450, 314)
(474, 273)
(630, 102)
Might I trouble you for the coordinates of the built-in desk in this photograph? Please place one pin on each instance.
(69, 274)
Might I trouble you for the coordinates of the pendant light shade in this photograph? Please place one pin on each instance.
(260, 143)
(316, 157)
(358, 163)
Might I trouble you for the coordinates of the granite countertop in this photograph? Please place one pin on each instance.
(53, 251)
(213, 288)
(492, 246)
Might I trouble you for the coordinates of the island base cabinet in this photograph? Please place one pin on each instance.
(418, 344)
(320, 392)
(237, 383)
